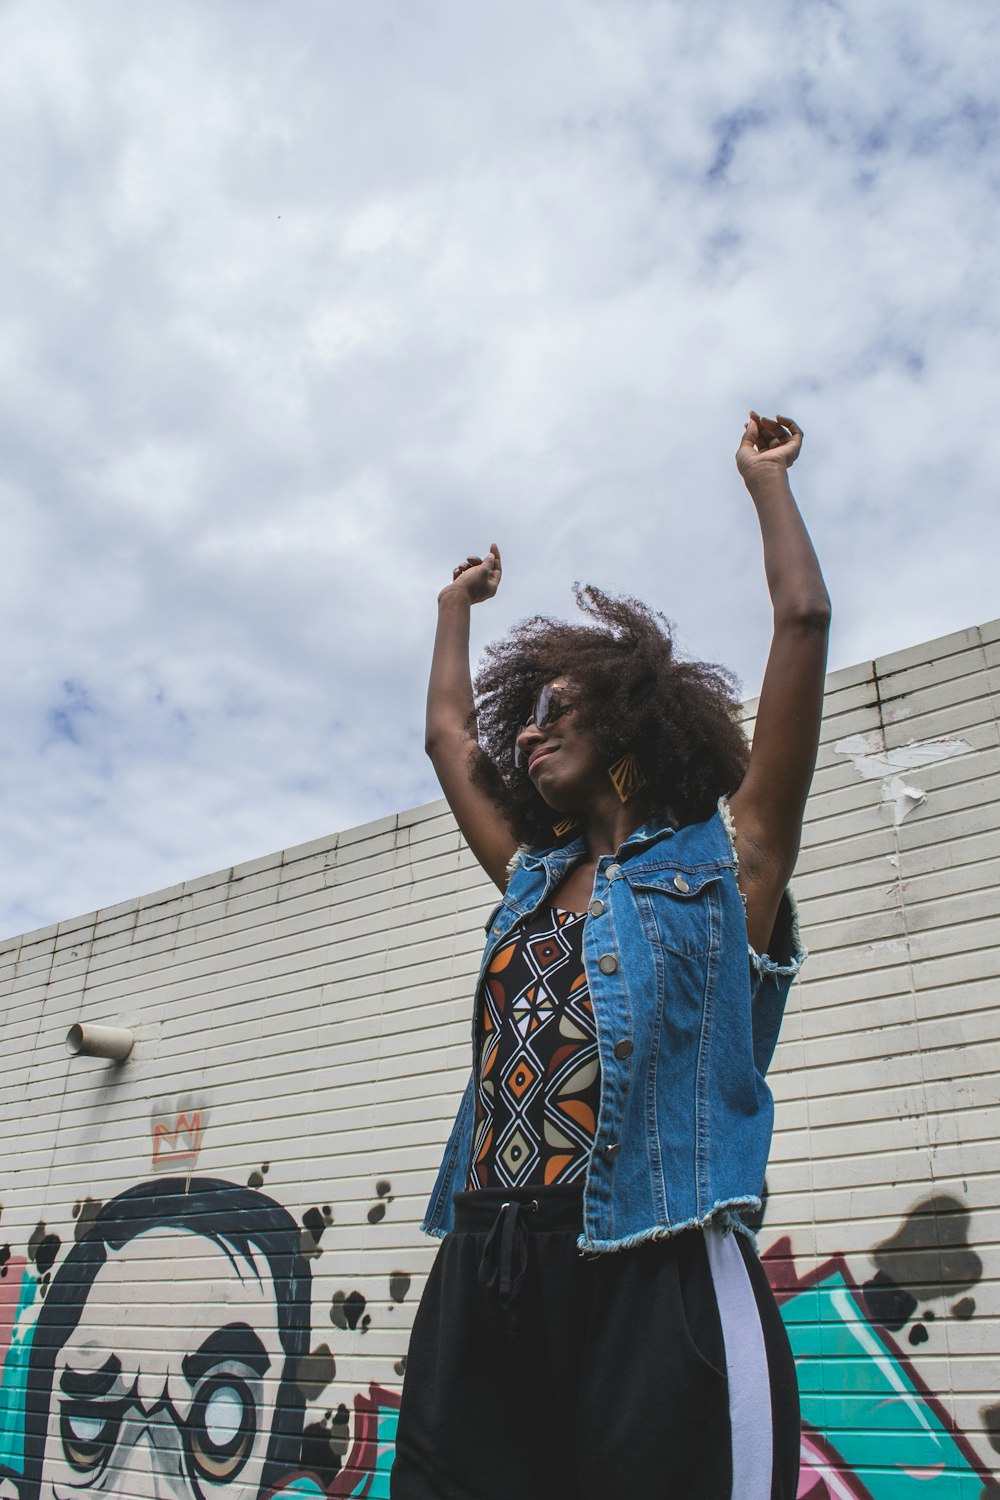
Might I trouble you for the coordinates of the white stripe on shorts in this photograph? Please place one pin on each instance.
(746, 1366)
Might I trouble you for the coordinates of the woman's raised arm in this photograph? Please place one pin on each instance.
(767, 808)
(450, 737)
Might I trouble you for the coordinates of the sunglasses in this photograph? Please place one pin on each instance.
(548, 707)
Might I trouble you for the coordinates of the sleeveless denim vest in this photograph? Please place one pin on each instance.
(687, 1018)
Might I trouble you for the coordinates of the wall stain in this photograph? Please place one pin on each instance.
(887, 1303)
(315, 1222)
(991, 1421)
(929, 1254)
(383, 1190)
(399, 1285)
(315, 1372)
(324, 1444)
(346, 1309)
(42, 1250)
(928, 1257)
(85, 1213)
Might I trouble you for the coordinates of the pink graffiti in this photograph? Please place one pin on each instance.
(823, 1475)
(363, 1457)
(10, 1295)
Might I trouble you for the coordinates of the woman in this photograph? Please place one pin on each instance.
(592, 1325)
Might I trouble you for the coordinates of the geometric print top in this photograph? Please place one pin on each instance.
(538, 1087)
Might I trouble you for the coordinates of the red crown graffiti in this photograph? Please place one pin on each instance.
(179, 1143)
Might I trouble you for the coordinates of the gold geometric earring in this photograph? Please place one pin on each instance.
(564, 826)
(626, 777)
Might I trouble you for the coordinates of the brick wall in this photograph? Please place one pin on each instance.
(302, 1025)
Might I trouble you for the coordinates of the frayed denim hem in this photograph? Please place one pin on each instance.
(437, 1234)
(723, 1216)
(765, 965)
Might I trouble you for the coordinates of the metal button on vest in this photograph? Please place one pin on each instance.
(610, 1152)
(607, 963)
(623, 1048)
(681, 883)
(596, 908)
(612, 871)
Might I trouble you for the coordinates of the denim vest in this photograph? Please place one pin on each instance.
(686, 1028)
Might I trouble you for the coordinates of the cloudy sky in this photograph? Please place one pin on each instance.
(302, 301)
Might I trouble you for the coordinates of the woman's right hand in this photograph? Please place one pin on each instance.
(478, 577)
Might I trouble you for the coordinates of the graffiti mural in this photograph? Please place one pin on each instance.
(167, 1351)
(168, 1354)
(872, 1429)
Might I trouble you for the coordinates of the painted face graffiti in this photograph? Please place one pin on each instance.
(177, 1420)
(165, 1356)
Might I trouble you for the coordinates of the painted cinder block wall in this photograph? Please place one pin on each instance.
(228, 1220)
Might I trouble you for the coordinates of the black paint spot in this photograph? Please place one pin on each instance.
(376, 1213)
(887, 1303)
(315, 1372)
(43, 1248)
(400, 1366)
(319, 1456)
(340, 1431)
(964, 1308)
(4, 1258)
(346, 1310)
(930, 1253)
(85, 1213)
(991, 1422)
(315, 1223)
(256, 1179)
(399, 1285)
(918, 1334)
(928, 1315)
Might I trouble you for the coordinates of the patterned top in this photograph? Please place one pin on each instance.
(538, 1079)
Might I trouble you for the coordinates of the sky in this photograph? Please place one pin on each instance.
(300, 303)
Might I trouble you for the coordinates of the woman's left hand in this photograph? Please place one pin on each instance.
(767, 445)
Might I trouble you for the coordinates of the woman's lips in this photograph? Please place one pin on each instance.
(537, 755)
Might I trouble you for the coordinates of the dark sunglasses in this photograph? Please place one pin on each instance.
(548, 707)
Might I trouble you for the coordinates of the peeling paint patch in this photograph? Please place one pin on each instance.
(874, 762)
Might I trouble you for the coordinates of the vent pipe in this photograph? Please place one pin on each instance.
(114, 1042)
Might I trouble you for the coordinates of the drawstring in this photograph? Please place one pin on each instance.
(505, 1254)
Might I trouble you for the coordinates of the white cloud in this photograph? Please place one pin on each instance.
(302, 303)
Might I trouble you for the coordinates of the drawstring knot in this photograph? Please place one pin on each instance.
(505, 1253)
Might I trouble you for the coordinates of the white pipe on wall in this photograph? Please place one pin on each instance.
(115, 1042)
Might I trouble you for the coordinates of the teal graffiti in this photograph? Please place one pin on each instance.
(14, 1378)
(876, 1420)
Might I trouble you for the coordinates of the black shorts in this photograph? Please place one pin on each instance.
(538, 1373)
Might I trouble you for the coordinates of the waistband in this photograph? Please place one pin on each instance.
(557, 1207)
(508, 1216)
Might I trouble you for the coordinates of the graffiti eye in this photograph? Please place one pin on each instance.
(89, 1432)
(222, 1427)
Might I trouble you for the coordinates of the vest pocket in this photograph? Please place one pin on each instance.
(680, 909)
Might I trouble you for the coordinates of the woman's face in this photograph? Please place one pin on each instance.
(562, 763)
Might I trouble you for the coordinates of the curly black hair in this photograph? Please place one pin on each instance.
(631, 692)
